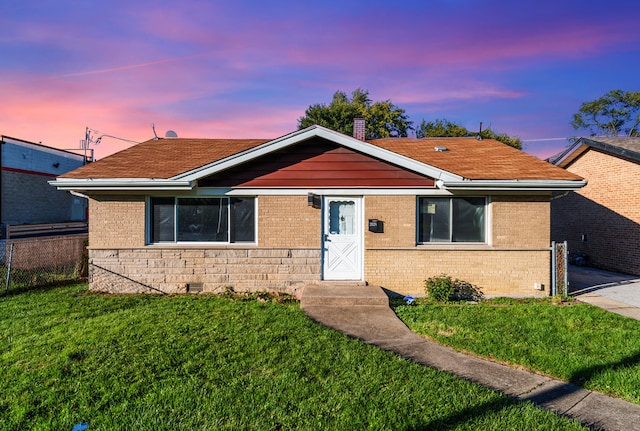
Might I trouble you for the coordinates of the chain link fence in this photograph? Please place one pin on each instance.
(559, 268)
(37, 262)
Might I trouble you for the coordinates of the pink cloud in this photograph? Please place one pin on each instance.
(56, 112)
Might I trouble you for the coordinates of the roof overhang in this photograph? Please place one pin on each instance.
(187, 181)
(583, 144)
(100, 184)
(512, 185)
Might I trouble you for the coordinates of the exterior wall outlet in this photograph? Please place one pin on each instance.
(538, 286)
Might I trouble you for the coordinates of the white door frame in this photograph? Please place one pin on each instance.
(343, 252)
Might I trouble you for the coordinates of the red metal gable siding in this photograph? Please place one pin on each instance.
(317, 163)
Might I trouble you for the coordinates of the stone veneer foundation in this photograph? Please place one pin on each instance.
(175, 270)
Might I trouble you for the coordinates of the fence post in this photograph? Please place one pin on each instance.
(554, 270)
(566, 269)
(9, 268)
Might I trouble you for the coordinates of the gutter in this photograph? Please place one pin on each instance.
(512, 185)
(121, 184)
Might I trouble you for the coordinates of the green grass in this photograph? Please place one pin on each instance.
(574, 342)
(200, 362)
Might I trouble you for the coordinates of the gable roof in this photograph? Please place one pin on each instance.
(471, 159)
(177, 163)
(623, 147)
(163, 158)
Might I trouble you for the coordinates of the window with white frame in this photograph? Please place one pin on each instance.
(451, 219)
(207, 219)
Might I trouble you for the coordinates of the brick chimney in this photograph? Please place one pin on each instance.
(358, 128)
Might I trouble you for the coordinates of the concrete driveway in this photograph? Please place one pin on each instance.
(618, 293)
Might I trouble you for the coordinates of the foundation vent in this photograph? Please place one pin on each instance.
(194, 287)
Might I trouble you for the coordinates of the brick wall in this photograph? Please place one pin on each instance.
(117, 221)
(602, 220)
(288, 254)
(521, 221)
(495, 272)
(288, 221)
(399, 216)
(516, 260)
(28, 199)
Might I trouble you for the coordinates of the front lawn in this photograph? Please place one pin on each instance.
(201, 362)
(574, 342)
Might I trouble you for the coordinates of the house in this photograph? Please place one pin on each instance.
(26, 195)
(601, 222)
(175, 215)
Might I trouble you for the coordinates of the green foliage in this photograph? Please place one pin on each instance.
(511, 141)
(382, 119)
(570, 341)
(615, 113)
(443, 288)
(439, 288)
(449, 129)
(205, 362)
(441, 128)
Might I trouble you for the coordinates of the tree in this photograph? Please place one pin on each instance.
(512, 141)
(446, 128)
(615, 113)
(382, 119)
(441, 128)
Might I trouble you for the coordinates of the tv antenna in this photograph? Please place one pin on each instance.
(94, 137)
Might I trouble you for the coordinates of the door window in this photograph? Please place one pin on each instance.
(342, 217)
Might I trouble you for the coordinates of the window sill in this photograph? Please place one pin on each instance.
(201, 245)
(454, 246)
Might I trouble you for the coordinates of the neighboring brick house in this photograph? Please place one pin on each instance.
(602, 220)
(177, 215)
(26, 197)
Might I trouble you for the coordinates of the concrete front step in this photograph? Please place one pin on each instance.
(341, 295)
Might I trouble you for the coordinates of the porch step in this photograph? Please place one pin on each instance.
(341, 295)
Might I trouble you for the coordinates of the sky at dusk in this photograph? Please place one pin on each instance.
(249, 69)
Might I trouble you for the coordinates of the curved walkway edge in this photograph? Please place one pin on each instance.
(347, 310)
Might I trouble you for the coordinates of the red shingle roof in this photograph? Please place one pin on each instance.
(163, 158)
(487, 159)
(467, 157)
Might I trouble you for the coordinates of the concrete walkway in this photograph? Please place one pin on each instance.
(363, 312)
(615, 292)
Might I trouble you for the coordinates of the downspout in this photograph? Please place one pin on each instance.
(80, 195)
(561, 195)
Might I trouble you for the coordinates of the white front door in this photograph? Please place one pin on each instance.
(342, 238)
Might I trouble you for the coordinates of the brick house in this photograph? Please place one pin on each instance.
(602, 220)
(26, 197)
(176, 215)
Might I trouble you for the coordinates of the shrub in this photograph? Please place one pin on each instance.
(443, 288)
(439, 288)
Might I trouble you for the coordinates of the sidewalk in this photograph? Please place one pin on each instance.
(363, 312)
(612, 291)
